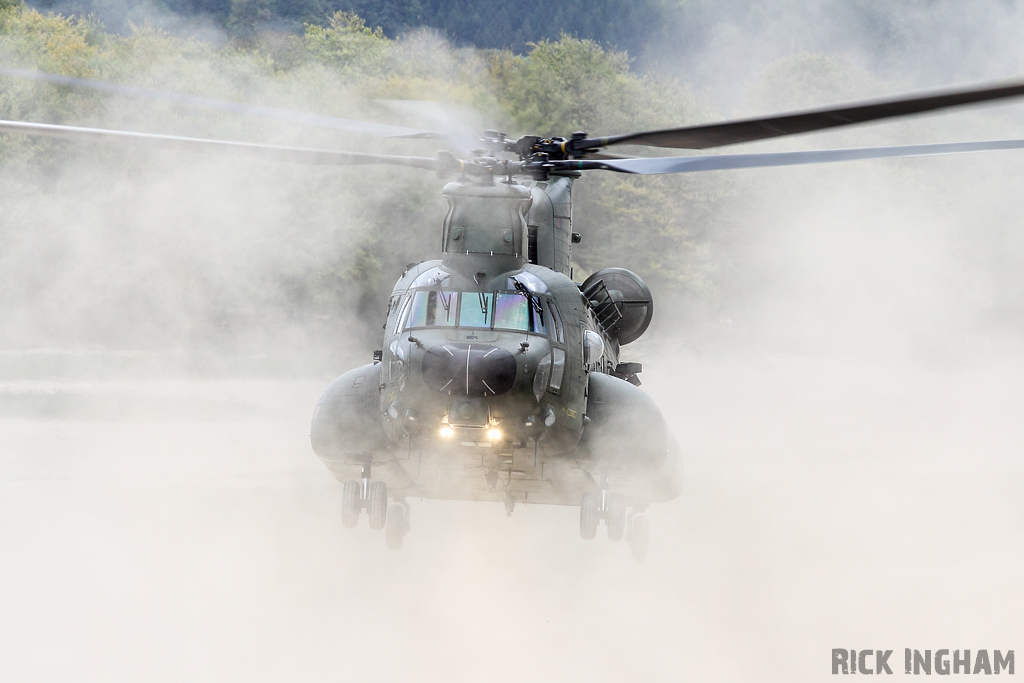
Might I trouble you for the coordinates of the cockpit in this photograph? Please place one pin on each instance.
(516, 311)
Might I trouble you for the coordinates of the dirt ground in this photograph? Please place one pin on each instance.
(183, 530)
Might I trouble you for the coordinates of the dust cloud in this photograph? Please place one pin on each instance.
(827, 504)
(848, 409)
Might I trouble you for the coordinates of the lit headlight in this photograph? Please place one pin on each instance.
(493, 434)
(447, 432)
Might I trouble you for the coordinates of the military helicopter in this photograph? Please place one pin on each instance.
(499, 377)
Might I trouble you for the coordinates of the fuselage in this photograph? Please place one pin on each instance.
(502, 363)
(498, 376)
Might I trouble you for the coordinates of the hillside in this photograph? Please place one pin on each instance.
(512, 24)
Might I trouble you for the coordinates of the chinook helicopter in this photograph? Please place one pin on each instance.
(499, 377)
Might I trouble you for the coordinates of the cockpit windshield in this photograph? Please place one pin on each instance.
(476, 309)
(433, 308)
(494, 310)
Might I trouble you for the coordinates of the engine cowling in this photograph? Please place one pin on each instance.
(621, 301)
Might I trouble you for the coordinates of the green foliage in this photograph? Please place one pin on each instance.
(562, 86)
(247, 16)
(494, 24)
(347, 43)
(53, 43)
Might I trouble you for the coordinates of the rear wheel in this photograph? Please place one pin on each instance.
(589, 515)
(639, 537)
(615, 516)
(378, 505)
(397, 525)
(350, 504)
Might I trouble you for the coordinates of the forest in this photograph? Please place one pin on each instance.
(499, 24)
(130, 249)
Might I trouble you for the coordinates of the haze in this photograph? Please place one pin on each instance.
(841, 362)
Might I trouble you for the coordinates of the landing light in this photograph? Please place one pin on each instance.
(447, 432)
(493, 434)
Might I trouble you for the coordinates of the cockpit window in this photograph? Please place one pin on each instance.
(511, 312)
(433, 308)
(556, 323)
(538, 322)
(400, 318)
(476, 309)
(497, 310)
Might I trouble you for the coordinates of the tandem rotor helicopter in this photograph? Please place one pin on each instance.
(499, 378)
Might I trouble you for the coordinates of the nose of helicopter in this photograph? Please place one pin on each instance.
(477, 370)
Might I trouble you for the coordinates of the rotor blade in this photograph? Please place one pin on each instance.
(608, 155)
(300, 155)
(451, 122)
(763, 128)
(722, 162)
(348, 125)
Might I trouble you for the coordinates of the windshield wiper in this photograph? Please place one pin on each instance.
(483, 304)
(534, 302)
(446, 303)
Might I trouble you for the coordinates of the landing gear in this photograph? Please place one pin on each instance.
(362, 494)
(598, 505)
(377, 505)
(615, 516)
(639, 535)
(359, 495)
(611, 507)
(590, 515)
(397, 525)
(351, 504)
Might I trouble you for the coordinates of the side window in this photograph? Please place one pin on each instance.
(400, 320)
(593, 349)
(556, 323)
(537, 322)
(557, 370)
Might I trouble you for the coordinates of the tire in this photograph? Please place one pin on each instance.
(350, 504)
(378, 505)
(639, 537)
(589, 515)
(615, 517)
(396, 527)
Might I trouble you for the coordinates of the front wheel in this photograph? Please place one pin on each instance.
(397, 526)
(350, 504)
(615, 516)
(639, 537)
(378, 505)
(589, 514)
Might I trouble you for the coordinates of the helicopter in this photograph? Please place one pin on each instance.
(499, 377)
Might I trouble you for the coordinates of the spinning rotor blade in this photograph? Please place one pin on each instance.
(608, 155)
(348, 125)
(763, 128)
(721, 162)
(300, 155)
